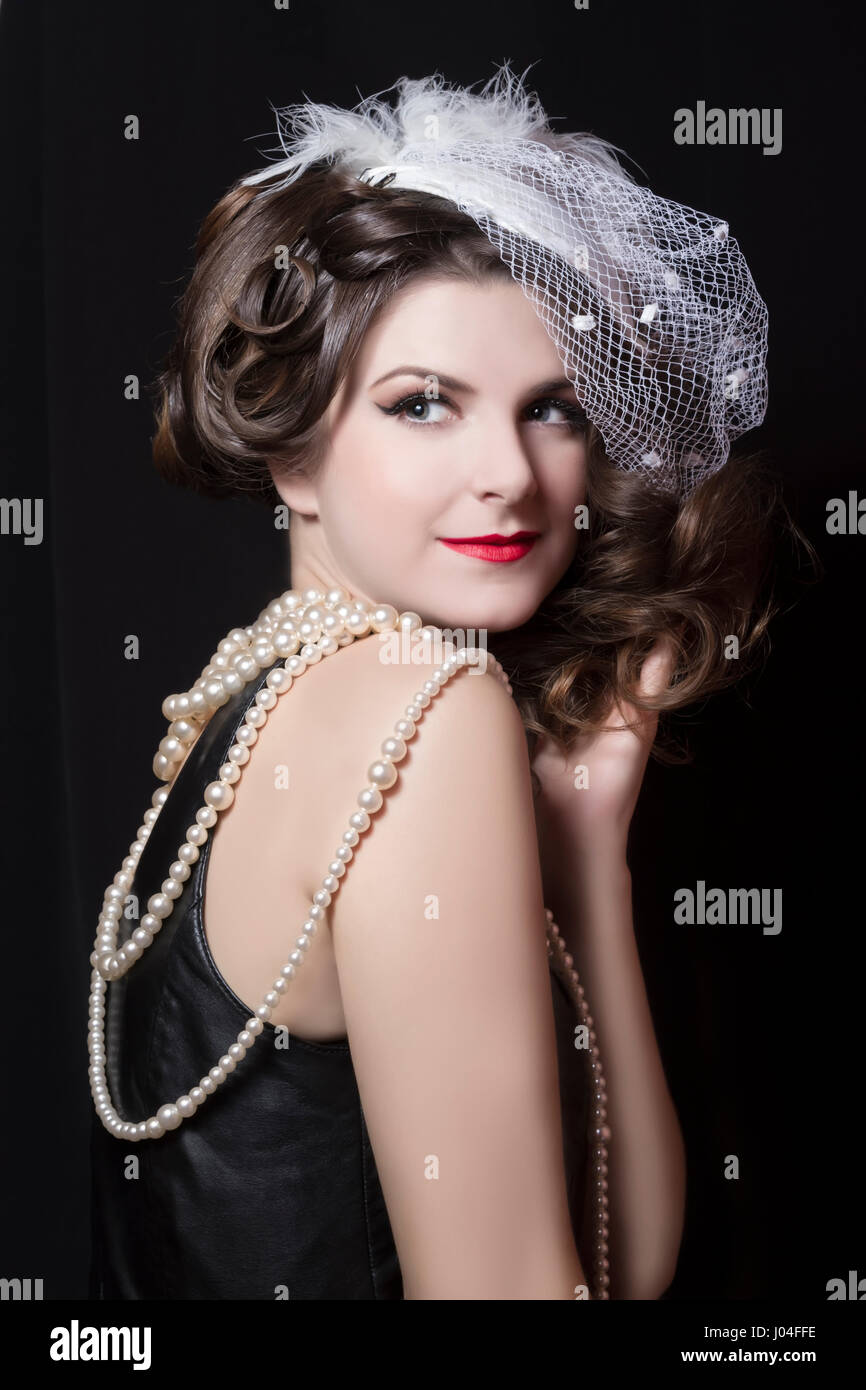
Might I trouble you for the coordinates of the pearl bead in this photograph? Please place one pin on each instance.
(382, 773)
(172, 748)
(246, 666)
(279, 680)
(215, 692)
(262, 653)
(384, 618)
(394, 749)
(219, 795)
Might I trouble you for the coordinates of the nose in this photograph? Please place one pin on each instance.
(500, 464)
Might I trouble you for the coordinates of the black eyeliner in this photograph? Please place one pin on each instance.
(575, 413)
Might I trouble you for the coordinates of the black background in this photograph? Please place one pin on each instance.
(760, 1034)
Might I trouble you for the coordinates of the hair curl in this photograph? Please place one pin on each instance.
(284, 288)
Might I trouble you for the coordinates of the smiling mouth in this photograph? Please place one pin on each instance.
(497, 549)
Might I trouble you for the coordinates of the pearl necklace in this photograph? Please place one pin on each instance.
(298, 630)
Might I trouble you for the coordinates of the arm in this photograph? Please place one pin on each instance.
(439, 939)
(589, 894)
(582, 836)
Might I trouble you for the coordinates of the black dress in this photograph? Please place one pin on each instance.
(271, 1190)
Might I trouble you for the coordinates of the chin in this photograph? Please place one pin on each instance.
(493, 612)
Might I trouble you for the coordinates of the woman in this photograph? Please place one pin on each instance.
(410, 337)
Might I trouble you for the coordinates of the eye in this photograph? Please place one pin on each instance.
(416, 410)
(574, 415)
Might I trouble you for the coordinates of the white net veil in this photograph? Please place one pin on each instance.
(650, 303)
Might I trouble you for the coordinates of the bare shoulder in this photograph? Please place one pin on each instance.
(332, 727)
(461, 807)
(373, 680)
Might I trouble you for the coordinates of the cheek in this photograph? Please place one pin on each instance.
(565, 483)
(369, 510)
(385, 483)
(566, 491)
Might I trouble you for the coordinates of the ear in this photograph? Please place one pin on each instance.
(297, 491)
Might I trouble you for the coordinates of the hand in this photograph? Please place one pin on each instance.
(594, 789)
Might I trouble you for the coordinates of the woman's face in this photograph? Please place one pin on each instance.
(488, 442)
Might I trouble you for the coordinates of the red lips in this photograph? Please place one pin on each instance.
(496, 548)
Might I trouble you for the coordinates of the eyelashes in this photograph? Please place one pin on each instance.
(575, 421)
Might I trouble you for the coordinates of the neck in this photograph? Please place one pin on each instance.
(305, 576)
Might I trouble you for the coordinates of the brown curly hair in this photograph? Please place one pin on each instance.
(285, 285)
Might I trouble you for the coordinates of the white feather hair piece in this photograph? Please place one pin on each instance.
(428, 108)
(650, 303)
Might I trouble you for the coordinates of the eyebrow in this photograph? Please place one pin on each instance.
(451, 383)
